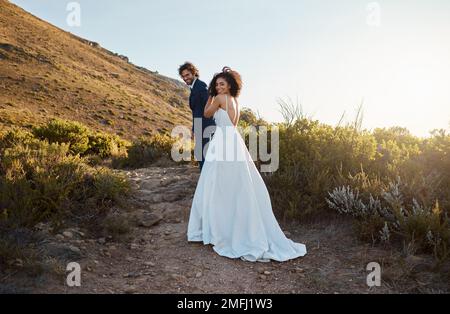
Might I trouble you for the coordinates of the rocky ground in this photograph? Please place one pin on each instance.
(154, 257)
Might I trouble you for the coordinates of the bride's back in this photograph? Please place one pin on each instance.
(230, 106)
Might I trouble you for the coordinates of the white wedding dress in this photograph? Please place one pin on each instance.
(231, 208)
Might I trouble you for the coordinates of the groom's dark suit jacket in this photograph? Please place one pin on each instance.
(197, 102)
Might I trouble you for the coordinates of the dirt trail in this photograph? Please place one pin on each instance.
(156, 257)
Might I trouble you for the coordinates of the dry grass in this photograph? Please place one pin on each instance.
(67, 77)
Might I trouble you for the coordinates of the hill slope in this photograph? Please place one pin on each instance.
(46, 72)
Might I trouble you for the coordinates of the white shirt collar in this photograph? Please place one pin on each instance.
(193, 83)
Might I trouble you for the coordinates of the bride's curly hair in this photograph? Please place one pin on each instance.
(233, 79)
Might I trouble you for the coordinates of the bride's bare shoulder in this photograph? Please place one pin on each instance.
(219, 98)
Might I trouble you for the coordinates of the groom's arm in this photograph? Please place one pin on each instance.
(204, 97)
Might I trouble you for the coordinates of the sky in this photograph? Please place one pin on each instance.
(391, 56)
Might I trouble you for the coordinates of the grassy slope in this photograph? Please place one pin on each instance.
(46, 72)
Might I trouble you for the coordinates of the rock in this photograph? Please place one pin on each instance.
(134, 246)
(75, 249)
(267, 272)
(263, 277)
(101, 241)
(132, 275)
(59, 237)
(106, 253)
(18, 262)
(68, 234)
(172, 197)
(178, 277)
(130, 290)
(148, 220)
(198, 275)
(299, 270)
(63, 251)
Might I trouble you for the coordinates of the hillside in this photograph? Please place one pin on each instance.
(46, 72)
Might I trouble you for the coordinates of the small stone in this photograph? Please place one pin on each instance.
(263, 277)
(68, 234)
(287, 234)
(267, 272)
(130, 290)
(101, 241)
(134, 246)
(178, 277)
(198, 275)
(149, 264)
(131, 275)
(299, 270)
(74, 249)
(18, 262)
(59, 237)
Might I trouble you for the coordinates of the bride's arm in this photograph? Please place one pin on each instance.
(211, 107)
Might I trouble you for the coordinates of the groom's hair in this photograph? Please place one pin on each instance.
(190, 67)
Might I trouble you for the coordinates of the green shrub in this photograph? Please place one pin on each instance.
(81, 140)
(147, 150)
(390, 216)
(60, 131)
(42, 181)
(105, 145)
(313, 157)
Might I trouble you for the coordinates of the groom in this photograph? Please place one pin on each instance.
(197, 101)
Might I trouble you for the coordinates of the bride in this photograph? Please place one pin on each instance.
(231, 208)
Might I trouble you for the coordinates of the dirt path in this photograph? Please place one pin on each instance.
(156, 257)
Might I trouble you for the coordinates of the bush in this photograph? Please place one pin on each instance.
(147, 150)
(389, 216)
(313, 157)
(105, 145)
(80, 139)
(42, 181)
(60, 131)
(394, 184)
